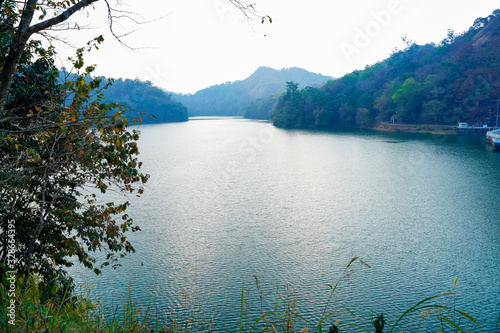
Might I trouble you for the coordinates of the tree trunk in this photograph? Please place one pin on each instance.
(23, 34)
(10, 68)
(15, 52)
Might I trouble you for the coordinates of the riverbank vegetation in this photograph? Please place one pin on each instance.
(143, 96)
(417, 128)
(261, 310)
(456, 80)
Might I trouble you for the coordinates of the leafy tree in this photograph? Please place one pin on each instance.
(288, 109)
(347, 116)
(409, 100)
(61, 147)
(23, 14)
(385, 107)
(291, 87)
(363, 118)
(432, 112)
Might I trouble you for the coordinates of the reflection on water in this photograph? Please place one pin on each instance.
(231, 198)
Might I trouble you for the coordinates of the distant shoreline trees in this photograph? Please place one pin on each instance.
(143, 96)
(456, 80)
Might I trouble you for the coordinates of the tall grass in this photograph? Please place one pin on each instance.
(260, 311)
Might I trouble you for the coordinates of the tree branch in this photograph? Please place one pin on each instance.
(61, 17)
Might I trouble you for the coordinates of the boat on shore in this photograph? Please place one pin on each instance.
(493, 137)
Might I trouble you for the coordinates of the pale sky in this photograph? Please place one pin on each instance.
(200, 43)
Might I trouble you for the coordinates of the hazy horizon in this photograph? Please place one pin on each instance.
(201, 43)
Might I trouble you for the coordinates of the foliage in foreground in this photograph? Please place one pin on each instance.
(275, 311)
(62, 147)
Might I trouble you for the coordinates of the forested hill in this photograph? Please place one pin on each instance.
(143, 96)
(456, 80)
(232, 98)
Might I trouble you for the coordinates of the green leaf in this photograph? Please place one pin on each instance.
(55, 289)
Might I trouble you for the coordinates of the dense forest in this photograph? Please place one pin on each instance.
(262, 108)
(456, 80)
(233, 98)
(143, 96)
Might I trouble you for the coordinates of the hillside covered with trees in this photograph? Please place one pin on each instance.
(262, 108)
(233, 98)
(456, 80)
(143, 96)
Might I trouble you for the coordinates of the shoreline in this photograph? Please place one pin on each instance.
(414, 128)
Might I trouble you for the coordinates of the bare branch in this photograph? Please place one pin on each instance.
(128, 15)
(61, 17)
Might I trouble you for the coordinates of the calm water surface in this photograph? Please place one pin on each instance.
(231, 198)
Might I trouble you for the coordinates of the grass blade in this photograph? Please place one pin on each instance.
(318, 329)
(261, 317)
(452, 324)
(416, 306)
(466, 315)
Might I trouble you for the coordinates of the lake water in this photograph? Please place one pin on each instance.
(232, 198)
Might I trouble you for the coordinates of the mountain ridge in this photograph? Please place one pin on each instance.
(232, 98)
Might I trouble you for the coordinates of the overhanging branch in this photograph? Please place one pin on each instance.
(60, 18)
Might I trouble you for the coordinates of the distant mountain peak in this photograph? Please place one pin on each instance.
(232, 98)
